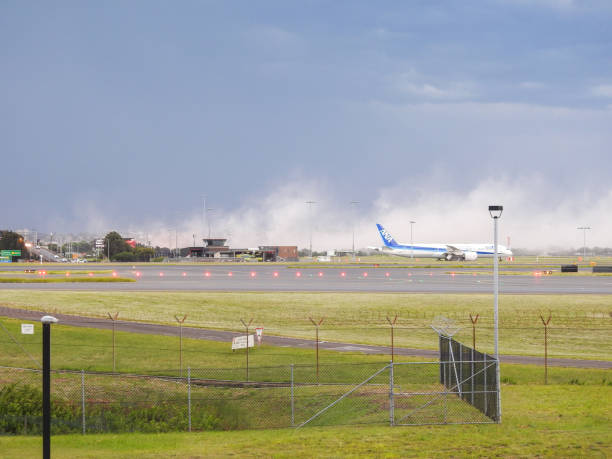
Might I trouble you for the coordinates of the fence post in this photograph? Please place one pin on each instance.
(391, 401)
(189, 396)
(180, 322)
(317, 324)
(83, 399)
(474, 320)
(545, 322)
(113, 318)
(485, 387)
(292, 400)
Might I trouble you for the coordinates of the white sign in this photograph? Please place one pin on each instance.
(99, 243)
(259, 333)
(239, 342)
(27, 329)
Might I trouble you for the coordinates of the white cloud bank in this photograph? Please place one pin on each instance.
(530, 218)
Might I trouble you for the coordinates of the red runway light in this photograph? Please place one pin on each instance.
(67, 274)
(184, 274)
(431, 274)
(275, 273)
(343, 274)
(320, 274)
(453, 274)
(90, 274)
(409, 274)
(474, 274)
(365, 274)
(230, 274)
(298, 274)
(387, 274)
(138, 274)
(161, 274)
(207, 274)
(253, 273)
(114, 273)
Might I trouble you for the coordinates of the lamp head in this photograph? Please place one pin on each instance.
(48, 320)
(496, 211)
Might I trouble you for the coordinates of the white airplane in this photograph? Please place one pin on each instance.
(448, 252)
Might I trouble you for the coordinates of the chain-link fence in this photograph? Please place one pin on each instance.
(222, 399)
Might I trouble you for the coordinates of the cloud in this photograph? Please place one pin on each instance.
(411, 84)
(531, 218)
(602, 90)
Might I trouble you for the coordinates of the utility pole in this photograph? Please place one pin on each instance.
(411, 241)
(310, 203)
(584, 230)
(354, 204)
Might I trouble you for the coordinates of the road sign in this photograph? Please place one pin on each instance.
(259, 333)
(27, 329)
(10, 253)
(240, 342)
(99, 243)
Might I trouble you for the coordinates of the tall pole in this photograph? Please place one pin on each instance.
(496, 212)
(310, 203)
(46, 382)
(584, 230)
(411, 240)
(354, 203)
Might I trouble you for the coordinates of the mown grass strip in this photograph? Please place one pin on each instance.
(58, 280)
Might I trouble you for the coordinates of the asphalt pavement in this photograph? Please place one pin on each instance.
(279, 278)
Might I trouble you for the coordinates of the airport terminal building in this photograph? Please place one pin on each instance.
(216, 248)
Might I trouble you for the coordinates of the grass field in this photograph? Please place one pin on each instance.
(539, 421)
(76, 348)
(580, 328)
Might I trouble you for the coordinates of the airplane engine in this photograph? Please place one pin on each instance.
(470, 256)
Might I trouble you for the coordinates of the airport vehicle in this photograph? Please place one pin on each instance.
(448, 252)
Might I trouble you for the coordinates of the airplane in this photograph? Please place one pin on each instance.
(448, 252)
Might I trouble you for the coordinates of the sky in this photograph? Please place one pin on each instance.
(124, 115)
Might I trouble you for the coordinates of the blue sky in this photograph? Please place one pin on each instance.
(123, 114)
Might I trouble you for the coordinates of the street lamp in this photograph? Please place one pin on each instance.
(411, 243)
(354, 203)
(584, 230)
(496, 213)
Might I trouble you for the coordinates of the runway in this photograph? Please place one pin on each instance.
(281, 278)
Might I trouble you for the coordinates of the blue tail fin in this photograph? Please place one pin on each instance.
(386, 237)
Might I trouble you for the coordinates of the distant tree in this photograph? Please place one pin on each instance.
(114, 244)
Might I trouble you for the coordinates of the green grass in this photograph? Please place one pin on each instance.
(76, 348)
(539, 421)
(59, 280)
(580, 326)
(73, 272)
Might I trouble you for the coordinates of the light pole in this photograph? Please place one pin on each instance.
(354, 203)
(411, 242)
(584, 230)
(208, 219)
(496, 212)
(310, 203)
(46, 383)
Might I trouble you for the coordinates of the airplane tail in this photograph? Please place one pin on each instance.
(386, 237)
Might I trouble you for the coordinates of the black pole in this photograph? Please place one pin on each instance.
(46, 390)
